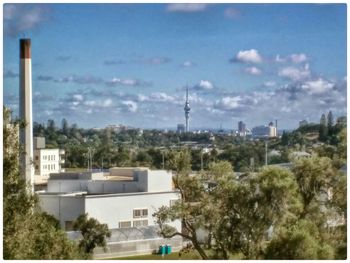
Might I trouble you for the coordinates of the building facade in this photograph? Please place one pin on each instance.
(119, 203)
(47, 161)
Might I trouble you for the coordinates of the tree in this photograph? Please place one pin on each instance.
(298, 241)
(314, 176)
(330, 123)
(284, 138)
(323, 128)
(235, 214)
(189, 208)
(94, 234)
(65, 126)
(28, 233)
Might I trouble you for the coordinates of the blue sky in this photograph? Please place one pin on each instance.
(101, 64)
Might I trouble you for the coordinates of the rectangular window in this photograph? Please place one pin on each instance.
(36, 157)
(124, 224)
(140, 213)
(138, 223)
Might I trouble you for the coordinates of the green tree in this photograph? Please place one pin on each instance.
(27, 233)
(65, 127)
(330, 123)
(297, 242)
(94, 234)
(323, 132)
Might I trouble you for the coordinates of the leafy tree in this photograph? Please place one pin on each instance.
(94, 234)
(65, 127)
(330, 123)
(323, 132)
(28, 233)
(298, 241)
(313, 176)
(284, 138)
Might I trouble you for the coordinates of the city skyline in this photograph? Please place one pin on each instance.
(123, 67)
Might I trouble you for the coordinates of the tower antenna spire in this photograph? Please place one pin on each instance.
(187, 111)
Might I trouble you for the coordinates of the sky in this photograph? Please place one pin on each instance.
(130, 64)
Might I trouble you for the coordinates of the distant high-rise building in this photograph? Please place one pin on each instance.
(265, 131)
(187, 112)
(241, 126)
(272, 130)
(180, 128)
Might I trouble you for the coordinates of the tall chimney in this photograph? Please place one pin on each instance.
(25, 111)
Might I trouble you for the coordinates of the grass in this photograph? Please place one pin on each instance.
(193, 255)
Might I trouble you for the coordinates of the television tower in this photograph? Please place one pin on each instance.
(187, 112)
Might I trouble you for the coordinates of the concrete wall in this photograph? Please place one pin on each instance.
(111, 209)
(159, 180)
(63, 208)
(125, 171)
(45, 159)
(100, 186)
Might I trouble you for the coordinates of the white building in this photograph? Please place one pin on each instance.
(265, 131)
(47, 161)
(124, 199)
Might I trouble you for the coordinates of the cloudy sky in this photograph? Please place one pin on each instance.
(101, 64)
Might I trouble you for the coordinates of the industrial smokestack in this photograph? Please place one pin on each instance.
(25, 111)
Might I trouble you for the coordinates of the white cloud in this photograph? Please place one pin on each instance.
(295, 74)
(78, 97)
(294, 58)
(318, 86)
(253, 71)
(298, 58)
(187, 64)
(126, 82)
(280, 59)
(90, 103)
(107, 103)
(270, 83)
(186, 8)
(22, 18)
(229, 103)
(248, 56)
(232, 13)
(204, 85)
(131, 105)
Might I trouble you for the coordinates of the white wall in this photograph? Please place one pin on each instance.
(45, 165)
(159, 181)
(63, 208)
(99, 186)
(114, 208)
(107, 209)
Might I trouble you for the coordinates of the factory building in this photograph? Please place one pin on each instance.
(124, 199)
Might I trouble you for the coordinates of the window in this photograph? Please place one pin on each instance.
(124, 224)
(140, 213)
(138, 223)
(44, 157)
(36, 157)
